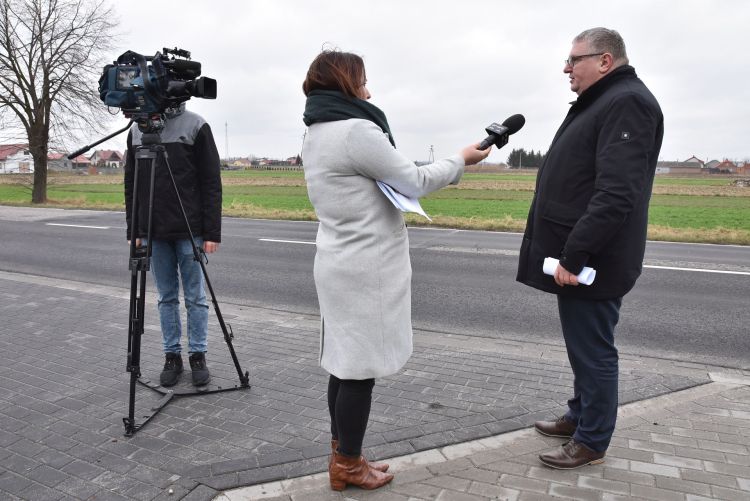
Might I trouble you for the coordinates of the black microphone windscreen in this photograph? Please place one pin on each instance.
(189, 69)
(514, 123)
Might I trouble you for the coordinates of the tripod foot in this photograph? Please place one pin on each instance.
(130, 427)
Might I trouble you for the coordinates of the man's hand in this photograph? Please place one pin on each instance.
(563, 277)
(137, 242)
(210, 247)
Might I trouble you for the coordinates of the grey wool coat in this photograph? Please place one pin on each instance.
(362, 268)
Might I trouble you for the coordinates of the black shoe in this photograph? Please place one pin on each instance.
(200, 371)
(172, 369)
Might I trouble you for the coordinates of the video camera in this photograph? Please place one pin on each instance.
(144, 86)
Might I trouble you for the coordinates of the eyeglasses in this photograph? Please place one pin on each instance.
(572, 60)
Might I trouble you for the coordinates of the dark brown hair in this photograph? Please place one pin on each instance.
(335, 70)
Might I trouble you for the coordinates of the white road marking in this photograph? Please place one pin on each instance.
(79, 226)
(515, 253)
(702, 270)
(286, 241)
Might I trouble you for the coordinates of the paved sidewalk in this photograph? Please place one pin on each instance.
(64, 392)
(689, 445)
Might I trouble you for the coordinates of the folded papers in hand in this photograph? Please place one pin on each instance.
(402, 202)
(586, 277)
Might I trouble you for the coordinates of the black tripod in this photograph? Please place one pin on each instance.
(140, 262)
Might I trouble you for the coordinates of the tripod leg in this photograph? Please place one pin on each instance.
(139, 264)
(137, 304)
(228, 336)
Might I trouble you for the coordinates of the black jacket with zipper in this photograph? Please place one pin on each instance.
(194, 161)
(590, 206)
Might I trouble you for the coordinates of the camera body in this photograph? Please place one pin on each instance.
(145, 86)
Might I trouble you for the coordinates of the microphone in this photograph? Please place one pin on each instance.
(498, 133)
(186, 69)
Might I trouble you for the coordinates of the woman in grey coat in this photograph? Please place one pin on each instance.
(362, 267)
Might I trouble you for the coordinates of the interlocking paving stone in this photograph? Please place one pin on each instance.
(518, 474)
(65, 390)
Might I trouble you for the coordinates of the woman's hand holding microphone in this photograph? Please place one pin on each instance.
(473, 155)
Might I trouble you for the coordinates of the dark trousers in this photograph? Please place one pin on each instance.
(589, 330)
(349, 403)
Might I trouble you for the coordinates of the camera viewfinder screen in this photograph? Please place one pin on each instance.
(125, 77)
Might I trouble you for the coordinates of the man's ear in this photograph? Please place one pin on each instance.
(606, 63)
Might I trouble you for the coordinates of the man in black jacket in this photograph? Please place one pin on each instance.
(591, 209)
(194, 161)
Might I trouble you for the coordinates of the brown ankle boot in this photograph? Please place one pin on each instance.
(375, 466)
(346, 470)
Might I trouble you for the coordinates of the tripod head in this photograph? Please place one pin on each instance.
(151, 128)
(153, 124)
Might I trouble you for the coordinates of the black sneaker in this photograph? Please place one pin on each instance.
(200, 371)
(172, 369)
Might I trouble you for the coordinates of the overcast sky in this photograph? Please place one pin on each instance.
(444, 70)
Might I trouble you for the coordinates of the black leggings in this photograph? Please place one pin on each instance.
(349, 404)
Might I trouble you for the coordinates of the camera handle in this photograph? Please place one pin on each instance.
(89, 146)
(140, 262)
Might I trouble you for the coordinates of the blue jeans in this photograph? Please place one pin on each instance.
(589, 330)
(168, 257)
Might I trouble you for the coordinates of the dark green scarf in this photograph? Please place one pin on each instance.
(332, 105)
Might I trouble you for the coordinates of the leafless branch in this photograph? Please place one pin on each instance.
(51, 55)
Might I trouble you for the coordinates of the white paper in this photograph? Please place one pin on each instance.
(402, 202)
(586, 277)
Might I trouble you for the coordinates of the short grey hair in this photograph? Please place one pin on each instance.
(605, 40)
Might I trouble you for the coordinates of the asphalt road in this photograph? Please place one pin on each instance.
(692, 302)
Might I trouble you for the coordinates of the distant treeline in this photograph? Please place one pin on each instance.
(520, 158)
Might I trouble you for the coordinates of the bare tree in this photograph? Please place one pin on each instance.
(50, 61)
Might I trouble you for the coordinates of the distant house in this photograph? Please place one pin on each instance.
(727, 166)
(107, 158)
(81, 162)
(59, 162)
(743, 169)
(723, 167)
(275, 164)
(692, 165)
(694, 160)
(15, 158)
(243, 163)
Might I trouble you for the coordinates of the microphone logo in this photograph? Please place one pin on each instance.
(498, 134)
